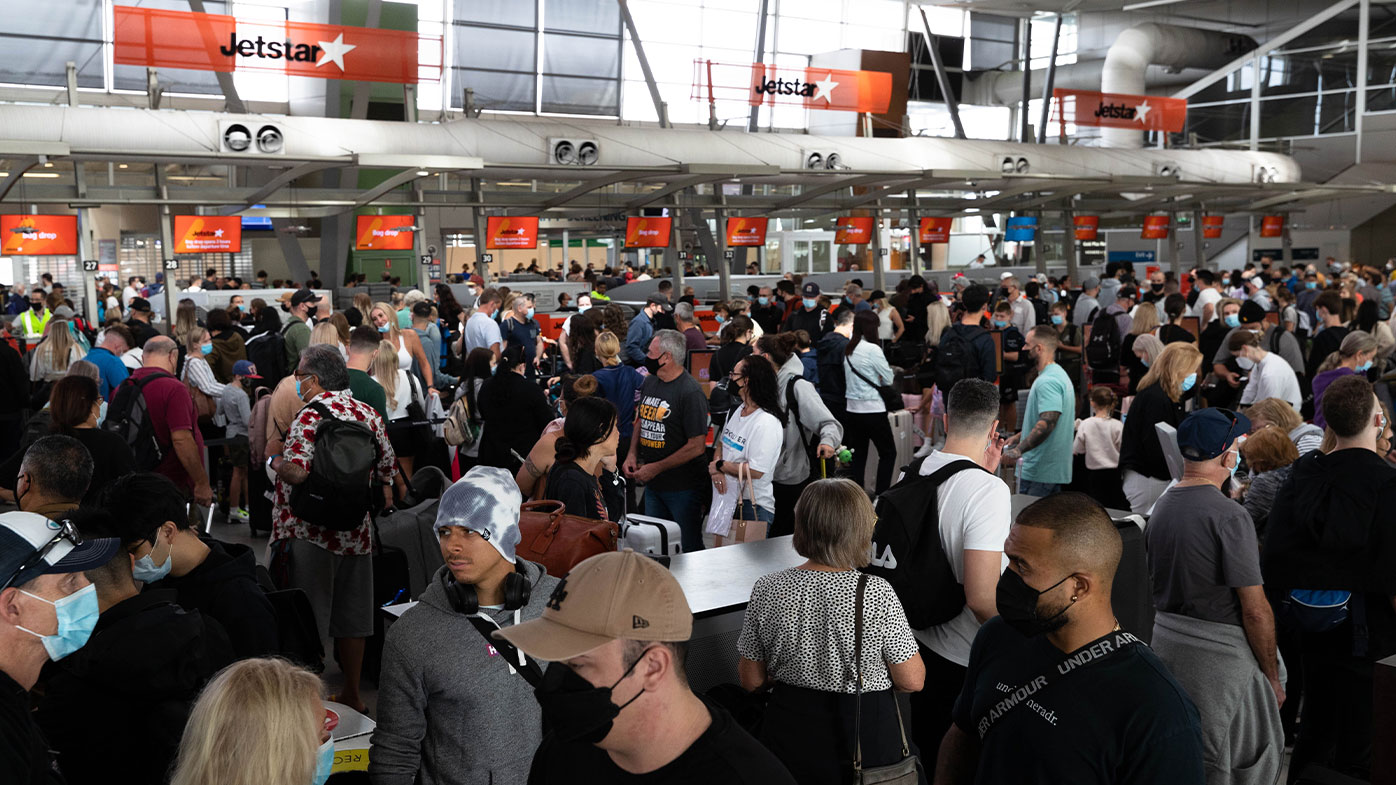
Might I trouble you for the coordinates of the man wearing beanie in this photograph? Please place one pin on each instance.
(483, 723)
(616, 699)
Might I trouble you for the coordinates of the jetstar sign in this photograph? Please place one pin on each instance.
(812, 88)
(1117, 110)
(214, 42)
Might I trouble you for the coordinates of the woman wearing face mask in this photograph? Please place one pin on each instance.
(1209, 343)
(198, 375)
(1171, 378)
(75, 407)
(735, 339)
(799, 639)
(751, 439)
(50, 358)
(406, 345)
(515, 412)
(583, 475)
(273, 710)
(1355, 355)
(1145, 321)
(1269, 376)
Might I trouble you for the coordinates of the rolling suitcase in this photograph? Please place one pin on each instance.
(651, 536)
(413, 531)
(903, 434)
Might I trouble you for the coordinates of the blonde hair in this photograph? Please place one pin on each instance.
(58, 345)
(325, 333)
(937, 319)
(834, 524)
(1354, 343)
(192, 339)
(608, 348)
(1171, 367)
(1150, 345)
(385, 371)
(1274, 411)
(258, 722)
(364, 304)
(1145, 319)
(391, 316)
(1223, 302)
(186, 318)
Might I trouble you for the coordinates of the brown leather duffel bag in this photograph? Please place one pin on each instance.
(559, 541)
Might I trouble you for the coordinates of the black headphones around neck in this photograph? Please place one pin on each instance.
(463, 598)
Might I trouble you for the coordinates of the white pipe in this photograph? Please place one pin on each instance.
(1138, 47)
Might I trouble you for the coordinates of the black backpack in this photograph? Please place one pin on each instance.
(1103, 350)
(267, 352)
(956, 358)
(338, 493)
(128, 416)
(906, 546)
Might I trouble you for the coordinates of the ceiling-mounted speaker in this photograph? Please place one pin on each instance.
(573, 152)
(251, 138)
(814, 160)
(833, 161)
(1169, 169)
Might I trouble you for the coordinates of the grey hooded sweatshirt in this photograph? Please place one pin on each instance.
(819, 426)
(448, 706)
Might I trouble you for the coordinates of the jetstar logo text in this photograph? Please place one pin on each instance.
(1115, 110)
(1118, 110)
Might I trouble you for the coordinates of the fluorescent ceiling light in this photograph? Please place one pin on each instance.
(1148, 4)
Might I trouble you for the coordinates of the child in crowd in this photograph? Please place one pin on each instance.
(807, 357)
(1098, 439)
(235, 406)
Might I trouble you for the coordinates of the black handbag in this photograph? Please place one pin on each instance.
(907, 770)
(890, 397)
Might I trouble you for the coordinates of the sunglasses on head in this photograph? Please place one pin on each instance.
(66, 531)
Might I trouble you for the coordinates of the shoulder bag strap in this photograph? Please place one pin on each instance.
(526, 667)
(792, 405)
(948, 470)
(858, 677)
(849, 362)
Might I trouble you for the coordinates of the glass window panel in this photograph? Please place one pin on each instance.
(580, 96)
(496, 90)
(582, 56)
(520, 13)
(805, 36)
(821, 252)
(582, 16)
(823, 10)
(1382, 99)
(59, 19)
(887, 39)
(506, 50)
(178, 80)
(44, 62)
(721, 29)
(880, 13)
(664, 23)
(675, 66)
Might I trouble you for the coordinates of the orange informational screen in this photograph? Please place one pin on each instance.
(207, 233)
(511, 231)
(1212, 226)
(935, 230)
(746, 231)
(1087, 227)
(648, 232)
(383, 233)
(39, 235)
(853, 230)
(1155, 227)
(1272, 226)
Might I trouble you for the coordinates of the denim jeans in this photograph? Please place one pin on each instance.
(682, 506)
(759, 513)
(1037, 488)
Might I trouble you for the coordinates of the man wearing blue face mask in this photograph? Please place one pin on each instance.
(808, 315)
(767, 312)
(48, 608)
(519, 329)
(144, 662)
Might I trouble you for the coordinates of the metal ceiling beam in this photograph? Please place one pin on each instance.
(810, 194)
(17, 171)
(878, 193)
(278, 182)
(396, 181)
(587, 187)
(673, 187)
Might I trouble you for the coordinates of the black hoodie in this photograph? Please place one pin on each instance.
(1331, 528)
(224, 587)
(119, 704)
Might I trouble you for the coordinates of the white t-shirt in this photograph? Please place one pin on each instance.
(126, 295)
(975, 510)
(1206, 297)
(755, 439)
(481, 332)
(1272, 378)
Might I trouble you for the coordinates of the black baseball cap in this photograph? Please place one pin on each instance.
(810, 289)
(139, 304)
(656, 298)
(304, 296)
(1207, 433)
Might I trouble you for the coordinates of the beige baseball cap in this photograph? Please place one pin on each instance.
(609, 596)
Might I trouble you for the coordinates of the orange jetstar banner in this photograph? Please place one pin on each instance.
(935, 230)
(383, 233)
(746, 231)
(853, 230)
(1087, 227)
(207, 233)
(1212, 226)
(1272, 226)
(648, 232)
(39, 235)
(1119, 110)
(1155, 227)
(511, 231)
(812, 88)
(215, 42)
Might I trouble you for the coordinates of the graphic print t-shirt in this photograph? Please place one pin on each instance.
(671, 413)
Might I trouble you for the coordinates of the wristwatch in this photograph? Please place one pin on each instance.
(718, 466)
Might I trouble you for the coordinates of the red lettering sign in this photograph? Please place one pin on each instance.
(853, 230)
(383, 233)
(1212, 226)
(215, 42)
(39, 235)
(1155, 227)
(935, 230)
(1120, 110)
(746, 231)
(648, 232)
(1086, 227)
(1272, 226)
(512, 231)
(207, 234)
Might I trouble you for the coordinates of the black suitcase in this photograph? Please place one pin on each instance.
(391, 585)
(1132, 595)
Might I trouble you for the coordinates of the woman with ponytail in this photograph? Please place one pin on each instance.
(752, 435)
(579, 477)
(514, 410)
(1355, 355)
(531, 477)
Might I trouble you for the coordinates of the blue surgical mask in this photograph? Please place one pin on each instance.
(1144, 361)
(384, 328)
(77, 617)
(145, 568)
(763, 300)
(720, 318)
(324, 763)
(205, 348)
(298, 388)
(583, 308)
(530, 312)
(1235, 466)
(1189, 381)
(809, 302)
(1311, 284)
(1231, 320)
(1058, 319)
(1364, 367)
(1000, 324)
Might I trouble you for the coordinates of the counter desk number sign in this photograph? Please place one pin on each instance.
(683, 256)
(171, 264)
(426, 258)
(728, 255)
(89, 265)
(882, 252)
(487, 258)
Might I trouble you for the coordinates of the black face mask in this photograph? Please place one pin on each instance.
(652, 365)
(37, 307)
(1158, 287)
(1017, 604)
(573, 709)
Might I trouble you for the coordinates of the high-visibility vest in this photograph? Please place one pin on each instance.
(30, 329)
